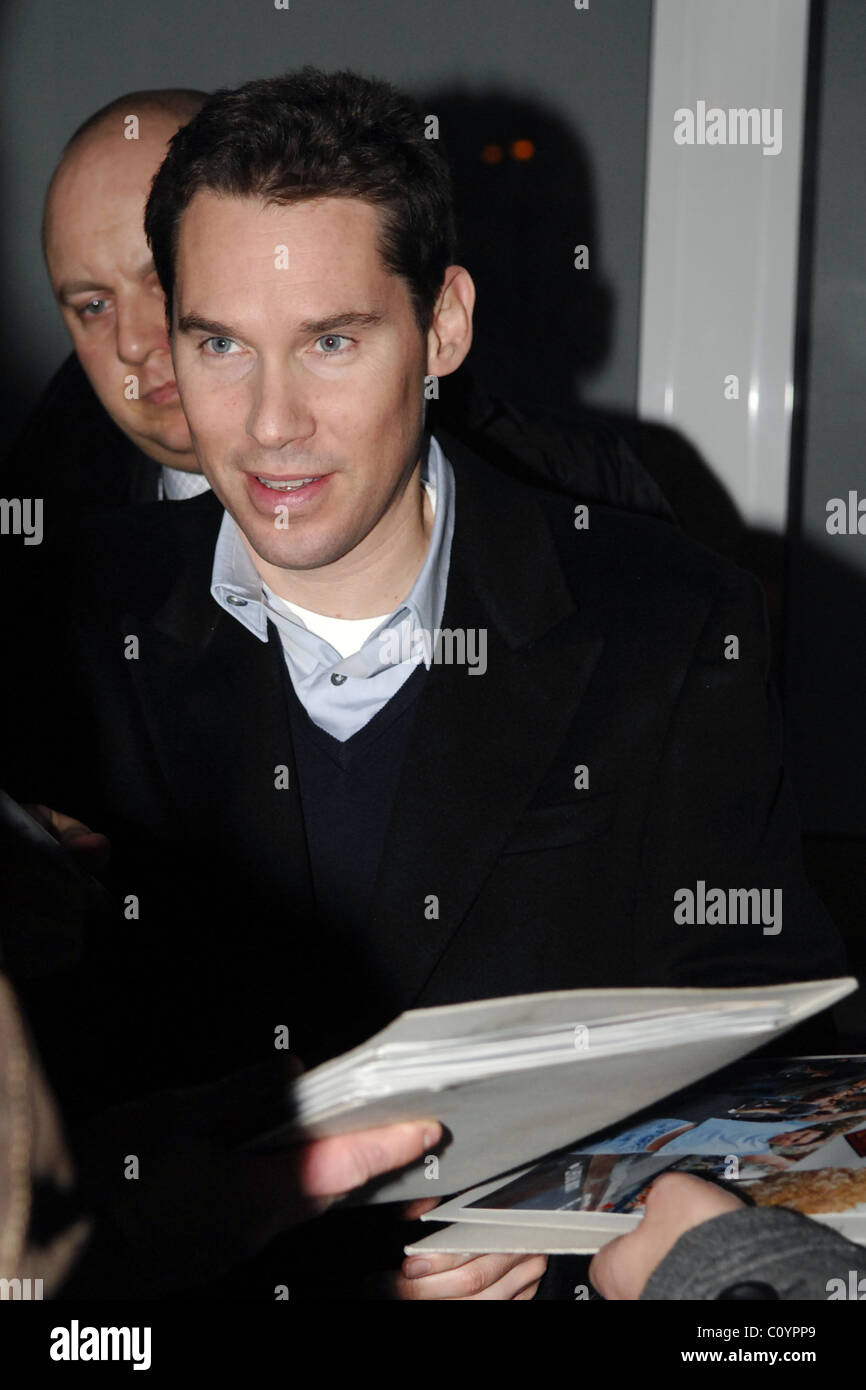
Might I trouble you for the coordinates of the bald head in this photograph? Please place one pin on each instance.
(127, 120)
(178, 103)
(101, 269)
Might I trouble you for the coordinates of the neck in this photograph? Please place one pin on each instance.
(375, 576)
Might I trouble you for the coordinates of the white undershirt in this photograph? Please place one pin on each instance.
(345, 635)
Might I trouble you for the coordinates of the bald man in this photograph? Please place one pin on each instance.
(110, 427)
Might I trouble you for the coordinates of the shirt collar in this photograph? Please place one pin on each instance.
(237, 586)
(175, 485)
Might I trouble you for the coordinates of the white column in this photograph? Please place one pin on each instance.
(721, 229)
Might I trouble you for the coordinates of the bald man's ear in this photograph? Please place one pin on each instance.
(449, 337)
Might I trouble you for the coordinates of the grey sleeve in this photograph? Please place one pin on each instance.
(795, 1256)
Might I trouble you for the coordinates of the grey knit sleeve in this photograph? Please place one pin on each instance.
(797, 1258)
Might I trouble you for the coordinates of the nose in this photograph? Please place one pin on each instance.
(279, 414)
(141, 328)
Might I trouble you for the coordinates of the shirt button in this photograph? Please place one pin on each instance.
(236, 601)
(337, 679)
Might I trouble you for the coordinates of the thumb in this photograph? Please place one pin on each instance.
(89, 846)
(283, 1189)
(332, 1167)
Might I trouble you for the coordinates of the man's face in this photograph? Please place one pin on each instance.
(102, 274)
(298, 357)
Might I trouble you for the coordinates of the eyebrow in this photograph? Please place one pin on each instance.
(351, 318)
(70, 287)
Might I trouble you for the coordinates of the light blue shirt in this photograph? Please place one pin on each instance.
(342, 694)
(173, 485)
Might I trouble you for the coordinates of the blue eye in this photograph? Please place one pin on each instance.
(332, 338)
(219, 346)
(91, 305)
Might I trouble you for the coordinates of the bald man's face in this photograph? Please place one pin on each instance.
(102, 274)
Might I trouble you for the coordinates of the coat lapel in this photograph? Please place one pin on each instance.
(481, 744)
(214, 700)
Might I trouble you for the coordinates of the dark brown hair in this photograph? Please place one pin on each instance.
(315, 134)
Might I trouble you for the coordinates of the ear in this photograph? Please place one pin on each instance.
(449, 337)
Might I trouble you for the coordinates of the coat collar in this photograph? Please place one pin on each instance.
(503, 550)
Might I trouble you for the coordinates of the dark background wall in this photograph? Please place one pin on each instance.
(583, 73)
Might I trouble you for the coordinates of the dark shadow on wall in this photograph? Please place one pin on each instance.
(525, 196)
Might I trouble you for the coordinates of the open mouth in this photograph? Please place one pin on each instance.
(162, 395)
(284, 484)
(290, 492)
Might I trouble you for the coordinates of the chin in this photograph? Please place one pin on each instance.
(283, 551)
(164, 427)
(164, 442)
(172, 452)
(284, 555)
(183, 461)
(177, 441)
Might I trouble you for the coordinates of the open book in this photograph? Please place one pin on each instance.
(515, 1079)
(775, 1131)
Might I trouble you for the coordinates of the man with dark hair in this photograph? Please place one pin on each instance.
(321, 813)
(314, 135)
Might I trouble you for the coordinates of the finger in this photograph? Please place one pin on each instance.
(620, 1270)
(520, 1282)
(467, 1284)
(439, 1261)
(42, 814)
(678, 1201)
(74, 835)
(473, 1277)
(413, 1210)
(61, 826)
(526, 1294)
(331, 1167)
(419, 1266)
(603, 1266)
(90, 847)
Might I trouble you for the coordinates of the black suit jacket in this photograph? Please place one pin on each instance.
(72, 454)
(606, 649)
